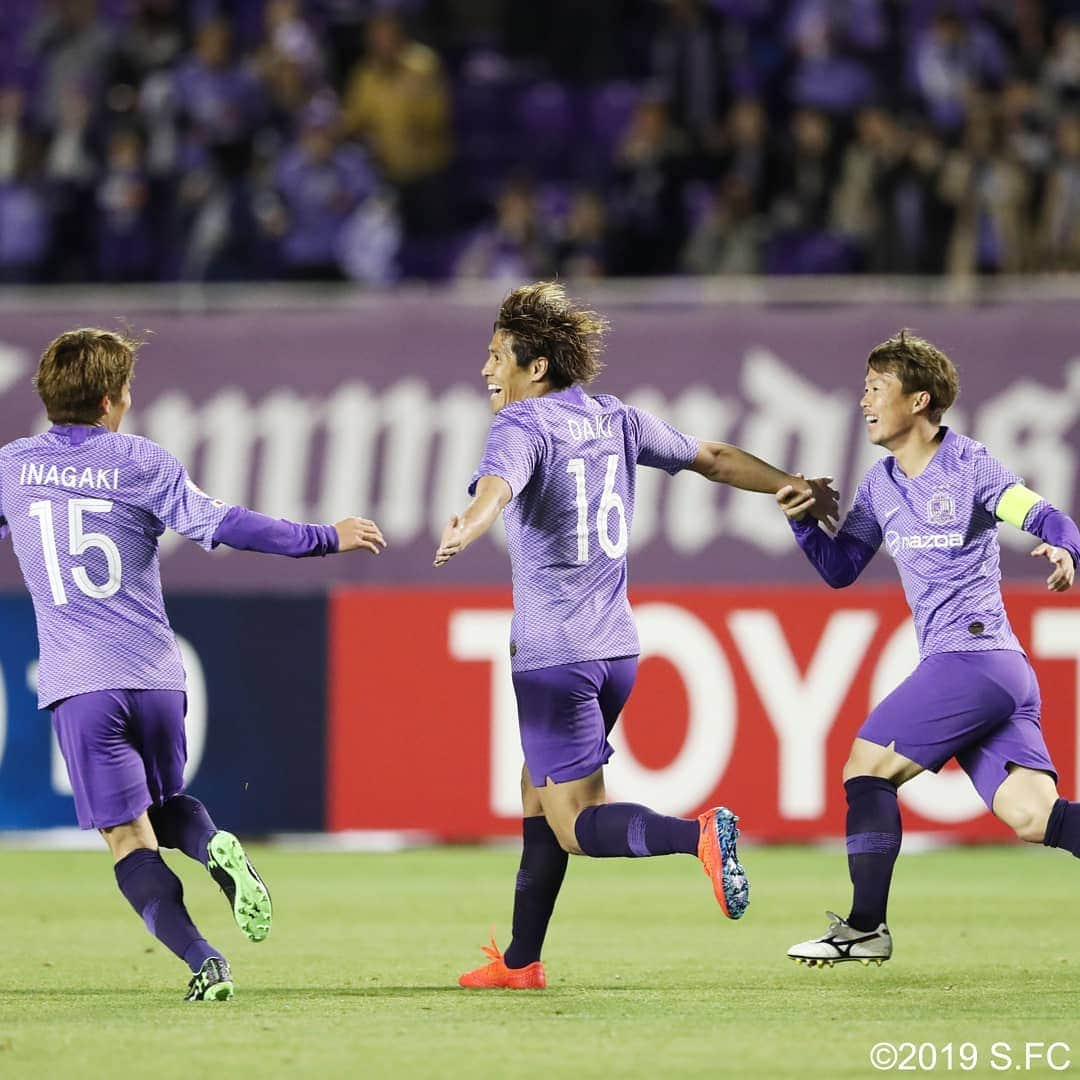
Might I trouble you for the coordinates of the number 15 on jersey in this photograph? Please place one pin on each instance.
(79, 543)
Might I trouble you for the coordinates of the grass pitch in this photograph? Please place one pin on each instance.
(646, 979)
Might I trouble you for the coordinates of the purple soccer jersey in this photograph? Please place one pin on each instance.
(941, 532)
(85, 507)
(570, 461)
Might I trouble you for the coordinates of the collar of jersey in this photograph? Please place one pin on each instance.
(946, 441)
(568, 393)
(77, 433)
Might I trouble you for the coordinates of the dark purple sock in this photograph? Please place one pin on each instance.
(156, 894)
(632, 831)
(873, 842)
(1063, 828)
(539, 878)
(183, 823)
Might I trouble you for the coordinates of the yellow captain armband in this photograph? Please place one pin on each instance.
(1015, 504)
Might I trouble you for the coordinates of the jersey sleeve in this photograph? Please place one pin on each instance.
(659, 445)
(513, 451)
(861, 522)
(173, 497)
(992, 480)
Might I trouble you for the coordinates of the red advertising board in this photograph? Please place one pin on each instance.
(748, 697)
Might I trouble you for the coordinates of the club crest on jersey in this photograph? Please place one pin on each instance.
(941, 509)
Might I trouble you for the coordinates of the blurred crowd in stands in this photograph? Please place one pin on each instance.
(158, 140)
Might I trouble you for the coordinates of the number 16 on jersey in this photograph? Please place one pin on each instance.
(610, 503)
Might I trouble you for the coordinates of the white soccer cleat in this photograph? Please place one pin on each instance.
(842, 942)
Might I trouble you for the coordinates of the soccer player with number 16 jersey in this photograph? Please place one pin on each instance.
(561, 464)
(85, 506)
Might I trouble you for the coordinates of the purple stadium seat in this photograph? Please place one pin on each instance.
(553, 204)
(610, 108)
(606, 113)
(483, 96)
(544, 121)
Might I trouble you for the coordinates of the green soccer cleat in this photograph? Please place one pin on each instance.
(212, 982)
(242, 886)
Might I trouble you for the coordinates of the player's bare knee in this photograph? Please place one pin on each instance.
(530, 798)
(1032, 828)
(861, 763)
(1024, 802)
(852, 768)
(567, 838)
(1026, 819)
(883, 762)
(562, 825)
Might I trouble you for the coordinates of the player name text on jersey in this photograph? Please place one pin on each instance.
(38, 475)
(597, 428)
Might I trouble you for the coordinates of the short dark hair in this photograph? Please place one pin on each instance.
(543, 321)
(919, 366)
(78, 368)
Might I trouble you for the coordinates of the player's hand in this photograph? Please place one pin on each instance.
(1064, 571)
(826, 508)
(814, 497)
(452, 541)
(359, 534)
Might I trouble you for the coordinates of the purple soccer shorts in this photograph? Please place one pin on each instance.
(566, 712)
(125, 751)
(982, 708)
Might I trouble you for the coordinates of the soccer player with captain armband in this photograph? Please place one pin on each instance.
(935, 504)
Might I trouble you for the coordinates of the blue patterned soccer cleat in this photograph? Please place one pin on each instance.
(716, 850)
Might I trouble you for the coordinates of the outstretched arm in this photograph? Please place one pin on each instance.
(726, 464)
(248, 530)
(492, 495)
(838, 559)
(1024, 509)
(180, 504)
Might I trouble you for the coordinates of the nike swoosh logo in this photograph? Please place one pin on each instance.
(894, 510)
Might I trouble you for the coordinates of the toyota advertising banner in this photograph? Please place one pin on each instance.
(381, 410)
(393, 709)
(745, 696)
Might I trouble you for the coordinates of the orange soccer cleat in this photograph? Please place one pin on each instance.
(497, 975)
(716, 850)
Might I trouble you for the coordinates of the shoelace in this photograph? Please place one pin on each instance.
(492, 951)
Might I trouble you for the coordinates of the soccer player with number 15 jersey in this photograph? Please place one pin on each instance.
(560, 466)
(85, 506)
